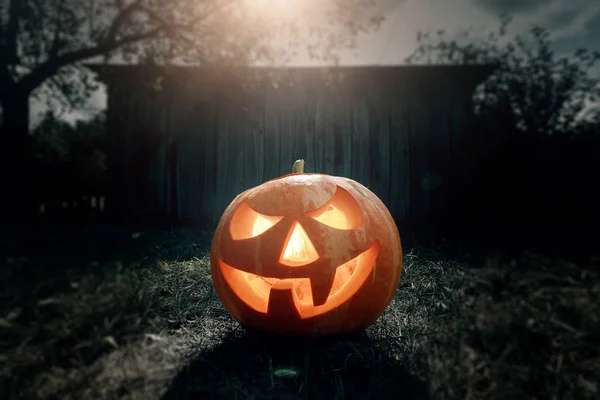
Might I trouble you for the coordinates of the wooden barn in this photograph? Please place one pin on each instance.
(187, 140)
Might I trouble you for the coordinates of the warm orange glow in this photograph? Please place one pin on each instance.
(299, 250)
(247, 223)
(343, 212)
(261, 225)
(334, 218)
(254, 290)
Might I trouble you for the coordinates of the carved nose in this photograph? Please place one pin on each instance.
(298, 249)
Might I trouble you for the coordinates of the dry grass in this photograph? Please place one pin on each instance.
(532, 330)
(139, 319)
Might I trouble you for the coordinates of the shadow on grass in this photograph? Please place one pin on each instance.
(253, 365)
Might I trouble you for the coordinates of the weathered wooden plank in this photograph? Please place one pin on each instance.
(286, 143)
(295, 103)
(461, 152)
(307, 125)
(339, 156)
(379, 144)
(399, 155)
(198, 124)
(238, 154)
(160, 118)
(232, 151)
(435, 184)
(360, 141)
(173, 175)
(222, 162)
(122, 145)
(298, 131)
(183, 141)
(160, 172)
(143, 156)
(346, 134)
(253, 145)
(258, 130)
(191, 152)
(210, 165)
(160, 121)
(329, 125)
(320, 141)
(272, 148)
(385, 142)
(132, 182)
(419, 157)
(417, 201)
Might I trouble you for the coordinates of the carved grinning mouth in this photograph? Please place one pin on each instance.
(263, 294)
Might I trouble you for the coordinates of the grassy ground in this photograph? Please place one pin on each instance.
(111, 314)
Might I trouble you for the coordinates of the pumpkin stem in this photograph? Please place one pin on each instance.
(298, 166)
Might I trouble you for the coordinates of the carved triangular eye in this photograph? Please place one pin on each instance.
(342, 212)
(262, 224)
(247, 223)
(298, 249)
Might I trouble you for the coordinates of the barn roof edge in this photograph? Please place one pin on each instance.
(101, 67)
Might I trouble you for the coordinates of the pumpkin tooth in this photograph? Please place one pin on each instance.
(343, 274)
(281, 301)
(320, 285)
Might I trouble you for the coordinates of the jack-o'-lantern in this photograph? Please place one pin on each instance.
(306, 254)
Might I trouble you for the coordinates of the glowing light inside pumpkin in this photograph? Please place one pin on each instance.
(299, 250)
(261, 224)
(334, 217)
(255, 290)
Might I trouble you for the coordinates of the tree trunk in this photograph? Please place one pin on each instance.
(16, 160)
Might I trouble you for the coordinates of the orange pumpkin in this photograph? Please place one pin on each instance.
(306, 254)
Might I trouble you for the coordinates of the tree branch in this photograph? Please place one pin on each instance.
(120, 19)
(56, 44)
(113, 30)
(175, 28)
(9, 43)
(48, 68)
(8, 46)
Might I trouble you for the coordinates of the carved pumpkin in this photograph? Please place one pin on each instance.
(306, 254)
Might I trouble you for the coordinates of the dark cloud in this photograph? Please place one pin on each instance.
(512, 6)
(564, 17)
(589, 39)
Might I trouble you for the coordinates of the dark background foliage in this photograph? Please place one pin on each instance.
(538, 136)
(70, 163)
